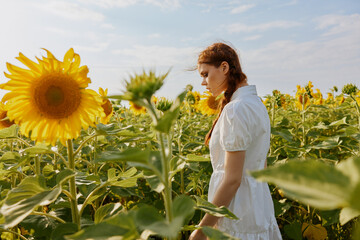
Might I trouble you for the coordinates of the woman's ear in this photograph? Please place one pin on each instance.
(225, 67)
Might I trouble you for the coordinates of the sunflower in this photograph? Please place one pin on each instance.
(136, 109)
(318, 97)
(4, 121)
(50, 99)
(302, 100)
(106, 106)
(330, 98)
(208, 104)
(339, 100)
(357, 97)
(154, 99)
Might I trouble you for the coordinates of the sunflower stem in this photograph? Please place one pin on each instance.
(182, 185)
(167, 182)
(48, 215)
(72, 186)
(165, 153)
(37, 166)
(83, 143)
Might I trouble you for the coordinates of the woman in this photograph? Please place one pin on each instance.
(239, 141)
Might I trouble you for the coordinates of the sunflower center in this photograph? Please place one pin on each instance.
(56, 95)
(137, 107)
(212, 103)
(107, 106)
(7, 122)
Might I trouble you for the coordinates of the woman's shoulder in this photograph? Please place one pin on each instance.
(241, 104)
(246, 107)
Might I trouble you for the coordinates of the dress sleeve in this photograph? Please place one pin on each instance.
(235, 129)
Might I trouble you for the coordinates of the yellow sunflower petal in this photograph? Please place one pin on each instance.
(29, 63)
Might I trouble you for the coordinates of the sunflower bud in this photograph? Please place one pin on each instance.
(143, 86)
(189, 87)
(163, 104)
(349, 89)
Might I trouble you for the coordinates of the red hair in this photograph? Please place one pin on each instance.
(214, 55)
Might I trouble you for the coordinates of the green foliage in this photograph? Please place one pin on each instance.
(133, 177)
(22, 200)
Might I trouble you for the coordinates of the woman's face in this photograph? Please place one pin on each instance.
(214, 78)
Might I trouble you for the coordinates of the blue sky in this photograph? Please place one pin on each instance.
(281, 43)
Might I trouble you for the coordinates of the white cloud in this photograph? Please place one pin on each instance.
(242, 8)
(252, 38)
(107, 26)
(110, 3)
(153, 56)
(164, 3)
(339, 24)
(291, 2)
(98, 47)
(154, 35)
(127, 3)
(72, 11)
(327, 61)
(240, 27)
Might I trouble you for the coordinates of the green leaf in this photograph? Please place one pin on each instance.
(329, 217)
(165, 122)
(128, 173)
(64, 175)
(339, 122)
(128, 155)
(125, 220)
(48, 171)
(327, 144)
(347, 214)
(178, 101)
(128, 182)
(10, 156)
(210, 208)
(10, 132)
(196, 158)
(184, 207)
(155, 183)
(101, 231)
(215, 234)
(109, 129)
(351, 168)
(23, 199)
(312, 182)
(281, 207)
(63, 229)
(282, 132)
(39, 148)
(42, 226)
(148, 218)
(112, 174)
(176, 165)
(106, 211)
(293, 231)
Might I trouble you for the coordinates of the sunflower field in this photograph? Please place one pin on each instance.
(79, 164)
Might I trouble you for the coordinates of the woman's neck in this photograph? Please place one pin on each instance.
(242, 84)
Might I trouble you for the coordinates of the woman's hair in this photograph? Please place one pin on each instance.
(214, 55)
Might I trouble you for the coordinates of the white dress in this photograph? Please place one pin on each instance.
(244, 125)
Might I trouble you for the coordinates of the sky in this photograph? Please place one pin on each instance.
(281, 43)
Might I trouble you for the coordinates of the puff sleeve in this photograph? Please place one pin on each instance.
(235, 127)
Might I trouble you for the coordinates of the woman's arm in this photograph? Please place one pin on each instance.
(234, 164)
